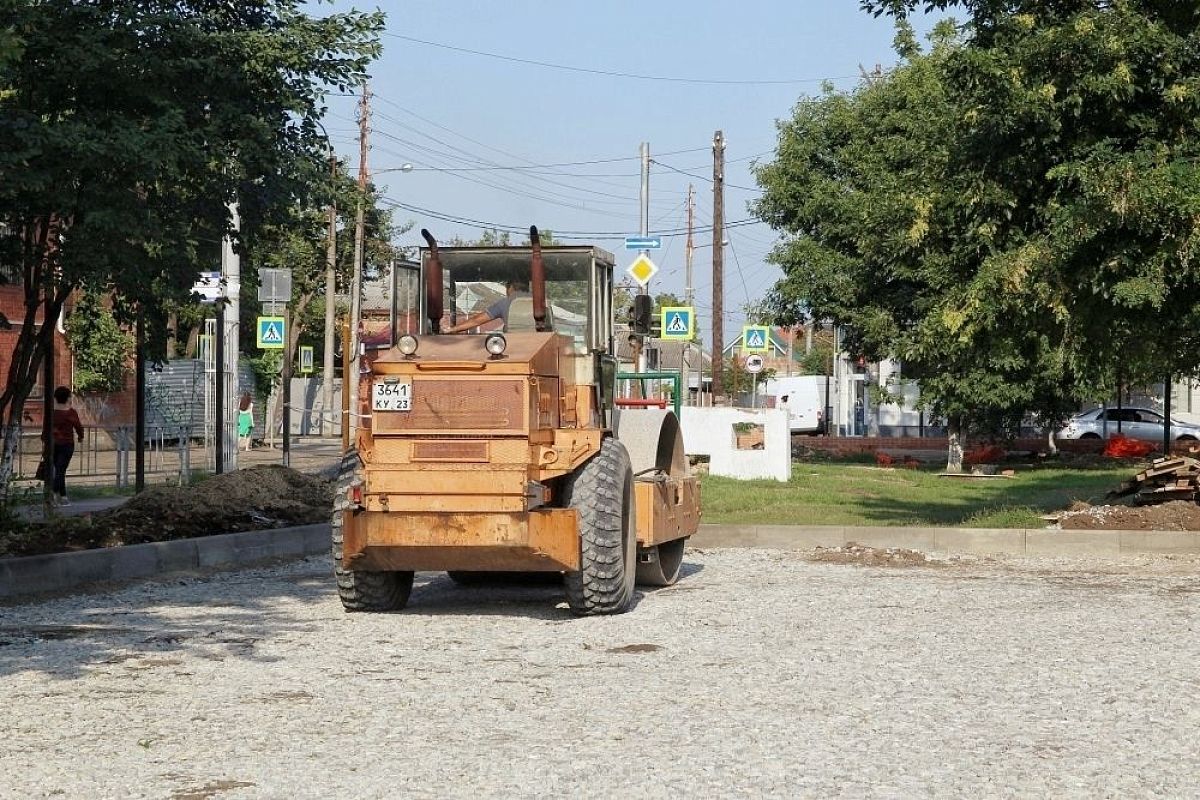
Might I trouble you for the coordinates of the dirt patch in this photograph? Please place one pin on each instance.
(854, 553)
(1178, 515)
(249, 499)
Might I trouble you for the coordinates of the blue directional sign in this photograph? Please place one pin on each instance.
(756, 339)
(270, 333)
(678, 322)
(643, 242)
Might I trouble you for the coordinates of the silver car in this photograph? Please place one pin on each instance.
(1136, 423)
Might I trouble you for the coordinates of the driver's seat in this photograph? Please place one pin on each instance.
(520, 316)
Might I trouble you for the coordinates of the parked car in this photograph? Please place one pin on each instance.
(1136, 423)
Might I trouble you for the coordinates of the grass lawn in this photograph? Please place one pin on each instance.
(853, 494)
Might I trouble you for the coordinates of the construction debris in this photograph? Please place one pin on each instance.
(1170, 478)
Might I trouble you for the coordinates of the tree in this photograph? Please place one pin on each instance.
(101, 349)
(1074, 138)
(891, 237)
(125, 128)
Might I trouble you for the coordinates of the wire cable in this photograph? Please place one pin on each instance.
(615, 74)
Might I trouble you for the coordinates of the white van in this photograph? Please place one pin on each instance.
(801, 396)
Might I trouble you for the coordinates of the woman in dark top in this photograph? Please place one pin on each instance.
(65, 426)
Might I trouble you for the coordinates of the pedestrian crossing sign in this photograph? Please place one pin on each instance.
(756, 339)
(270, 333)
(306, 359)
(678, 322)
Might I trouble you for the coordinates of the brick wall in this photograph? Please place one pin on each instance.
(116, 408)
(932, 448)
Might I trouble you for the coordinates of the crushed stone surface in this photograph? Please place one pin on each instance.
(761, 673)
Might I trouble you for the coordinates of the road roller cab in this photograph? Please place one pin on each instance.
(500, 448)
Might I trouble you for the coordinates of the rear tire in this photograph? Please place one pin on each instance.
(358, 590)
(1090, 436)
(663, 570)
(602, 492)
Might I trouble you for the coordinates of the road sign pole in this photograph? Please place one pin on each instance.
(287, 396)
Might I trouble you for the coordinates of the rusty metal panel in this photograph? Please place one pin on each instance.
(450, 450)
(430, 482)
(460, 405)
(540, 540)
(666, 509)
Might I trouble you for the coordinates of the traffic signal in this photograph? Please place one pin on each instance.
(643, 313)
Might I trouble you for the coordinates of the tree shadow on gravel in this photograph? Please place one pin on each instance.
(222, 616)
(145, 624)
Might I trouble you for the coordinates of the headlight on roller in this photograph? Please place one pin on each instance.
(495, 343)
(407, 344)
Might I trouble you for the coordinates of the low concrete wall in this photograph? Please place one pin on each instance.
(59, 572)
(1038, 542)
(710, 432)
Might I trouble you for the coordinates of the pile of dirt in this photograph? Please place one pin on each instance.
(1177, 515)
(249, 499)
(855, 553)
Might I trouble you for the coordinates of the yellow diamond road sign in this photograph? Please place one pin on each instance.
(642, 269)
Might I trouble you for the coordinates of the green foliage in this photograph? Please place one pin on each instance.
(1009, 212)
(126, 127)
(266, 368)
(101, 349)
(818, 361)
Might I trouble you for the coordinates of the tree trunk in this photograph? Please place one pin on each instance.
(956, 442)
(1051, 442)
(8, 458)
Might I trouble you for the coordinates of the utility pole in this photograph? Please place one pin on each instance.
(718, 267)
(639, 350)
(330, 294)
(689, 299)
(350, 382)
(228, 318)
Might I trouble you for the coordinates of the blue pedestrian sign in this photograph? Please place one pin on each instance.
(270, 333)
(678, 322)
(643, 242)
(756, 339)
(306, 359)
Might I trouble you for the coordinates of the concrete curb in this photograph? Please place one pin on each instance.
(64, 572)
(60, 572)
(965, 541)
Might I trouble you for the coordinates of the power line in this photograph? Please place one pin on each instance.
(614, 74)
(501, 226)
(702, 177)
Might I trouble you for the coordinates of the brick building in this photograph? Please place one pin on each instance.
(100, 409)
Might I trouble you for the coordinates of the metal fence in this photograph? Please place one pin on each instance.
(106, 456)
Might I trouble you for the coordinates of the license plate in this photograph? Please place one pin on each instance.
(392, 396)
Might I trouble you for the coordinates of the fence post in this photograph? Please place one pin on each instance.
(184, 443)
(123, 441)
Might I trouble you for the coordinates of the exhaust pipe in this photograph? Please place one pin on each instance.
(433, 284)
(537, 280)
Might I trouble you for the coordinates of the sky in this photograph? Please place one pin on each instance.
(502, 142)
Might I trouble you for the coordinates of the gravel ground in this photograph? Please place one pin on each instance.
(760, 673)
